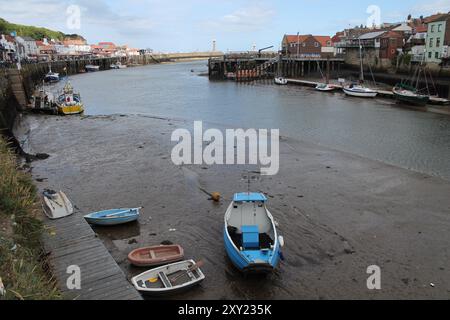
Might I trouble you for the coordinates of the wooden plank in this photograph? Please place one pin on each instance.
(75, 243)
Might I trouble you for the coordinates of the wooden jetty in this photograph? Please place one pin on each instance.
(72, 242)
(252, 66)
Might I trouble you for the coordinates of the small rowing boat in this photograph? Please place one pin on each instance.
(156, 256)
(171, 278)
(324, 87)
(56, 205)
(92, 68)
(113, 217)
(250, 234)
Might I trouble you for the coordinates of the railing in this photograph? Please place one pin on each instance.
(417, 57)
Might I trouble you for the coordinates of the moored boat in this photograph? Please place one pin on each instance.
(325, 87)
(171, 278)
(156, 255)
(44, 101)
(118, 65)
(113, 216)
(359, 91)
(407, 94)
(69, 102)
(56, 205)
(250, 235)
(92, 68)
(51, 77)
(281, 81)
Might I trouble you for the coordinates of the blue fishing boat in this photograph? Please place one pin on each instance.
(250, 234)
(113, 217)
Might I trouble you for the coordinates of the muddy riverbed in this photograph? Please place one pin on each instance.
(339, 213)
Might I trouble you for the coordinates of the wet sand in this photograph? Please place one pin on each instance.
(339, 213)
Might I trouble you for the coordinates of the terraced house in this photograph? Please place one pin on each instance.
(438, 39)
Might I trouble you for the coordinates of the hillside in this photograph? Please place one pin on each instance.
(36, 33)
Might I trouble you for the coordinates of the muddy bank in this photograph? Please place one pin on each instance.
(338, 213)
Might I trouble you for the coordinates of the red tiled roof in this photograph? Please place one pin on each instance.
(295, 38)
(436, 17)
(421, 29)
(324, 40)
(301, 38)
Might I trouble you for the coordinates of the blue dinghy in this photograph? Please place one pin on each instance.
(250, 234)
(113, 217)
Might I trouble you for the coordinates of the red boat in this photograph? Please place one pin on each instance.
(156, 256)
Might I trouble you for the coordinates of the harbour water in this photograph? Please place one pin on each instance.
(377, 129)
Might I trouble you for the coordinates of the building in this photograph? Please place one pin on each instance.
(7, 48)
(77, 46)
(307, 46)
(29, 46)
(438, 39)
(391, 44)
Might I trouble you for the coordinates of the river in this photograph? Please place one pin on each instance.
(376, 129)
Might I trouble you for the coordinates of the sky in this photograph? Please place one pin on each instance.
(192, 25)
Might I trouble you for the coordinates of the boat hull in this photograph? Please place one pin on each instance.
(325, 88)
(101, 218)
(58, 206)
(360, 94)
(243, 264)
(417, 101)
(68, 110)
(156, 256)
(281, 81)
(158, 288)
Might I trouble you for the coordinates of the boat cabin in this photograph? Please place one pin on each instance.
(248, 223)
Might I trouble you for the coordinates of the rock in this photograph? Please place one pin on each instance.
(132, 241)
(347, 248)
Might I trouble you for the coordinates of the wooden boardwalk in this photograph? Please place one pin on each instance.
(71, 241)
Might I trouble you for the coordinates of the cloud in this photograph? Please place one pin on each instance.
(94, 14)
(436, 6)
(243, 19)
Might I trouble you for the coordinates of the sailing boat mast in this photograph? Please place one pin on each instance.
(361, 75)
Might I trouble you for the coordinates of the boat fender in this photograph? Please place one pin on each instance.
(281, 240)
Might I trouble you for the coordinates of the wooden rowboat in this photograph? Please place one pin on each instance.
(171, 278)
(156, 256)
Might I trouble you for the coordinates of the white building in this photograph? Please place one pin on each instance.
(28, 47)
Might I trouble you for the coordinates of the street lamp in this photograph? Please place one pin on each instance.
(298, 44)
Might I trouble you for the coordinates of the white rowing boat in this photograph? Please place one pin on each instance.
(171, 278)
(56, 205)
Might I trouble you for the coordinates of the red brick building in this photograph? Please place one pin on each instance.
(305, 46)
(390, 43)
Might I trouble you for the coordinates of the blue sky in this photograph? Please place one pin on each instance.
(188, 25)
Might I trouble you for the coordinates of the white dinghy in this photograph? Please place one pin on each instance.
(171, 278)
(56, 205)
(281, 81)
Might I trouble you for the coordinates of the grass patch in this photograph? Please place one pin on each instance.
(23, 272)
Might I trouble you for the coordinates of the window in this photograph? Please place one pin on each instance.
(438, 42)
(316, 44)
(436, 55)
(439, 27)
(429, 55)
(432, 28)
(304, 44)
(431, 42)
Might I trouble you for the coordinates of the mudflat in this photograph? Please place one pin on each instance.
(339, 213)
